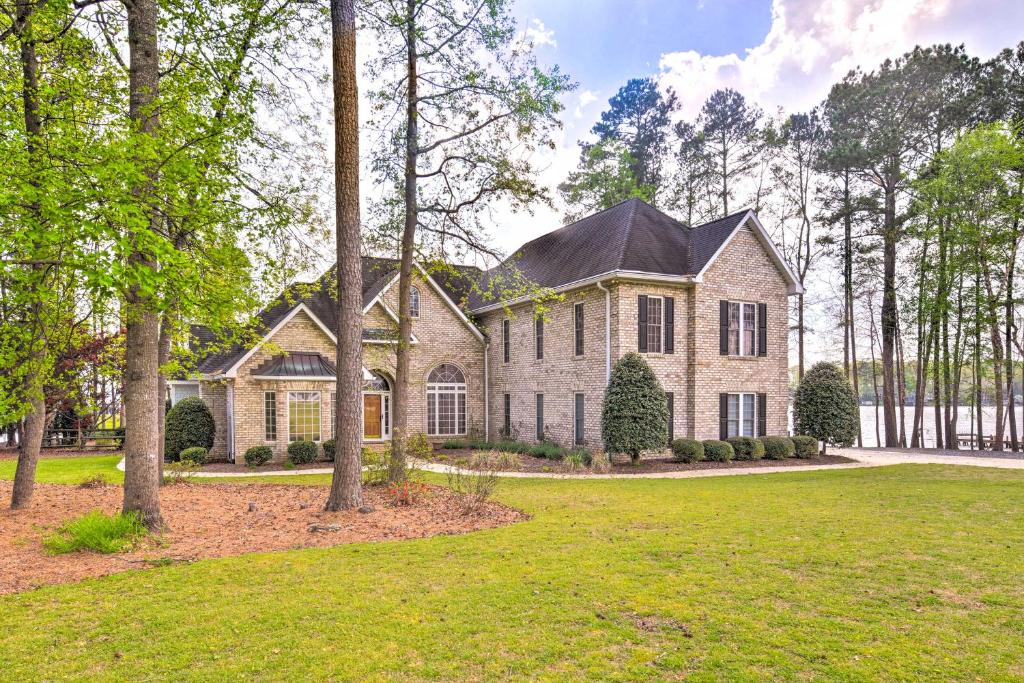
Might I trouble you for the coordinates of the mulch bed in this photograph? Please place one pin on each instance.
(646, 465)
(242, 468)
(213, 520)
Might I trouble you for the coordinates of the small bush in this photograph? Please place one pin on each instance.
(806, 446)
(329, 446)
(180, 472)
(406, 492)
(93, 482)
(454, 444)
(189, 423)
(600, 463)
(718, 451)
(746, 448)
(778, 447)
(196, 455)
(258, 455)
(687, 450)
(97, 532)
(375, 465)
(547, 450)
(418, 446)
(507, 462)
(474, 485)
(302, 452)
(573, 461)
(509, 446)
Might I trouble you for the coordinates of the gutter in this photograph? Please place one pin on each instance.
(607, 332)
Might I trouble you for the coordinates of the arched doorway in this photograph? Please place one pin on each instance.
(376, 408)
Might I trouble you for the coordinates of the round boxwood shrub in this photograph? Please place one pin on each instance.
(195, 455)
(189, 423)
(329, 447)
(687, 450)
(718, 451)
(635, 412)
(806, 446)
(258, 455)
(302, 452)
(746, 447)
(778, 447)
(825, 406)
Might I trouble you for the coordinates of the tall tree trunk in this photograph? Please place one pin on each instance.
(923, 347)
(901, 388)
(952, 424)
(346, 484)
(163, 357)
(397, 465)
(1008, 312)
(142, 336)
(977, 362)
(35, 422)
(889, 315)
(874, 375)
(848, 289)
(937, 381)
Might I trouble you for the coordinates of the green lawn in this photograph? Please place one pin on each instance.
(899, 573)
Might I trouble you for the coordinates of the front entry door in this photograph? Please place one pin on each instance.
(371, 416)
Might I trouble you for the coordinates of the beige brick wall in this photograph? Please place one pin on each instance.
(443, 338)
(743, 272)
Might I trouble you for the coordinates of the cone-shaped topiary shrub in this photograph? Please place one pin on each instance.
(825, 406)
(635, 415)
(687, 450)
(188, 424)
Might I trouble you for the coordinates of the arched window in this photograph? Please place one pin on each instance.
(446, 401)
(414, 302)
(377, 383)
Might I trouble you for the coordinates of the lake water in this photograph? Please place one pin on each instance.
(965, 419)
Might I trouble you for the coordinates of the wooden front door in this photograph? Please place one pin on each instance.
(371, 416)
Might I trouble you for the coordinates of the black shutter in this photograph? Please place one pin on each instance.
(671, 417)
(723, 416)
(670, 330)
(762, 414)
(723, 328)
(540, 417)
(762, 329)
(579, 329)
(641, 320)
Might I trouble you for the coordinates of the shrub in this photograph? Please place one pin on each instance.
(94, 481)
(406, 492)
(509, 446)
(189, 423)
(635, 413)
(825, 406)
(474, 485)
(778, 447)
(806, 446)
(719, 451)
(418, 446)
(454, 444)
(746, 447)
(547, 450)
(179, 472)
(375, 465)
(687, 450)
(329, 446)
(258, 455)
(572, 461)
(196, 455)
(98, 532)
(507, 462)
(600, 463)
(302, 452)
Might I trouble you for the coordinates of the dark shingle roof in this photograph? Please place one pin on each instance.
(630, 236)
(320, 297)
(297, 365)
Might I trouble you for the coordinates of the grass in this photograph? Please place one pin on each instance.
(98, 532)
(70, 470)
(899, 573)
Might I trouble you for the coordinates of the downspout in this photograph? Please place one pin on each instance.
(230, 409)
(487, 394)
(607, 333)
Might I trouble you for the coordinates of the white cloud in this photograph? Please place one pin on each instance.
(813, 43)
(585, 99)
(539, 34)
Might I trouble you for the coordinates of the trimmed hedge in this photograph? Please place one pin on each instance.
(718, 451)
(196, 455)
(302, 452)
(746, 447)
(806, 446)
(778, 447)
(329, 447)
(687, 450)
(259, 455)
(189, 423)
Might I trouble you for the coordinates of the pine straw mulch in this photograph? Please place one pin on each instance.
(213, 520)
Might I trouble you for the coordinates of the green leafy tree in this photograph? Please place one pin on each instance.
(635, 413)
(605, 178)
(825, 406)
(692, 193)
(731, 131)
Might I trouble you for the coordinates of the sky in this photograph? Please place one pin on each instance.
(783, 55)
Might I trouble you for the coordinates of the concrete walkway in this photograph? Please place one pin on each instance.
(866, 457)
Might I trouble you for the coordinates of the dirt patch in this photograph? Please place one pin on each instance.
(213, 520)
(647, 465)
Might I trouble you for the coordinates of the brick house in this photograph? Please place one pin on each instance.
(706, 306)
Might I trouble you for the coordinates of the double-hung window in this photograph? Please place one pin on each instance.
(654, 322)
(741, 415)
(577, 316)
(742, 321)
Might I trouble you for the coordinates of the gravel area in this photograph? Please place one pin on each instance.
(213, 520)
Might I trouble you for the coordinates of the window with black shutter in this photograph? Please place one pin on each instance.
(723, 416)
(578, 328)
(578, 420)
(741, 328)
(670, 331)
(504, 338)
(671, 417)
(641, 323)
(762, 329)
(762, 414)
(723, 328)
(540, 417)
